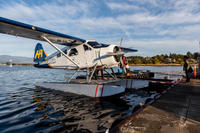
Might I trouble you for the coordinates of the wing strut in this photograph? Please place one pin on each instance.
(73, 75)
(46, 39)
(92, 73)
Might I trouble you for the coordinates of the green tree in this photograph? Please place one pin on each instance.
(156, 60)
(196, 55)
(189, 55)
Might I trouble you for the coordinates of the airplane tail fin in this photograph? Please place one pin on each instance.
(40, 55)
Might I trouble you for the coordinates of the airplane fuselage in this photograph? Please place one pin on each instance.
(85, 55)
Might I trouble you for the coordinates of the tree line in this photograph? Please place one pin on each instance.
(172, 58)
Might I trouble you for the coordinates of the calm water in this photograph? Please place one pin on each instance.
(159, 68)
(24, 108)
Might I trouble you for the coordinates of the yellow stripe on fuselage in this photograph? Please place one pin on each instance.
(46, 54)
(50, 66)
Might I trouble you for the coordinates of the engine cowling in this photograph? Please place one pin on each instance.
(108, 56)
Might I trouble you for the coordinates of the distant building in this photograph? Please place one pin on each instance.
(147, 58)
(9, 62)
(168, 60)
(173, 60)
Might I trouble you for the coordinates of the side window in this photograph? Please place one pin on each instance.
(86, 47)
(73, 52)
(58, 55)
(65, 51)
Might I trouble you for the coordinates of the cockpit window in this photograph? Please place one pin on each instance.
(96, 44)
(86, 47)
(73, 52)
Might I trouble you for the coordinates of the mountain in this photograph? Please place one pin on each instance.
(16, 59)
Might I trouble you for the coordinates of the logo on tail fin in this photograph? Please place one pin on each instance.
(40, 54)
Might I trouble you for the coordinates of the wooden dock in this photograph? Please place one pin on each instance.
(177, 111)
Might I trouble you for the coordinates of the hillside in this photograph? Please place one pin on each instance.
(16, 59)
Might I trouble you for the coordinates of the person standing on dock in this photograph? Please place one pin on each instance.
(187, 68)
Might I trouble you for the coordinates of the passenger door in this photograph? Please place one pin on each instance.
(89, 55)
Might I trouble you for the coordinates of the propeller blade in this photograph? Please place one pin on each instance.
(121, 41)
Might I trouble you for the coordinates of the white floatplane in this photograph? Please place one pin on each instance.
(79, 55)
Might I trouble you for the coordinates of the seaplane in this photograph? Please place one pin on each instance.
(79, 55)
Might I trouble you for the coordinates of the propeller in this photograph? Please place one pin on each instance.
(119, 52)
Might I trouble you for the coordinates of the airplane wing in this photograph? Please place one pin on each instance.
(15, 28)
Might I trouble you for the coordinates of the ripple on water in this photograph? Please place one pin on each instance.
(37, 110)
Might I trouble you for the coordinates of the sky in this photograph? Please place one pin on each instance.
(150, 26)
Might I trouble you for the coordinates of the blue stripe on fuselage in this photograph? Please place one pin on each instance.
(42, 66)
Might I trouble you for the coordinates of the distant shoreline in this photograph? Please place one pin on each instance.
(129, 64)
(158, 64)
(17, 64)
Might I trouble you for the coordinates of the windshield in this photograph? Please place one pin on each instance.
(96, 44)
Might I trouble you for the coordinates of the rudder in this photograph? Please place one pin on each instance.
(40, 55)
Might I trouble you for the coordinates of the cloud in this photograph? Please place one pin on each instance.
(147, 23)
(123, 6)
(163, 46)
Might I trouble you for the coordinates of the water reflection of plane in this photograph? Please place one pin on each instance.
(87, 56)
